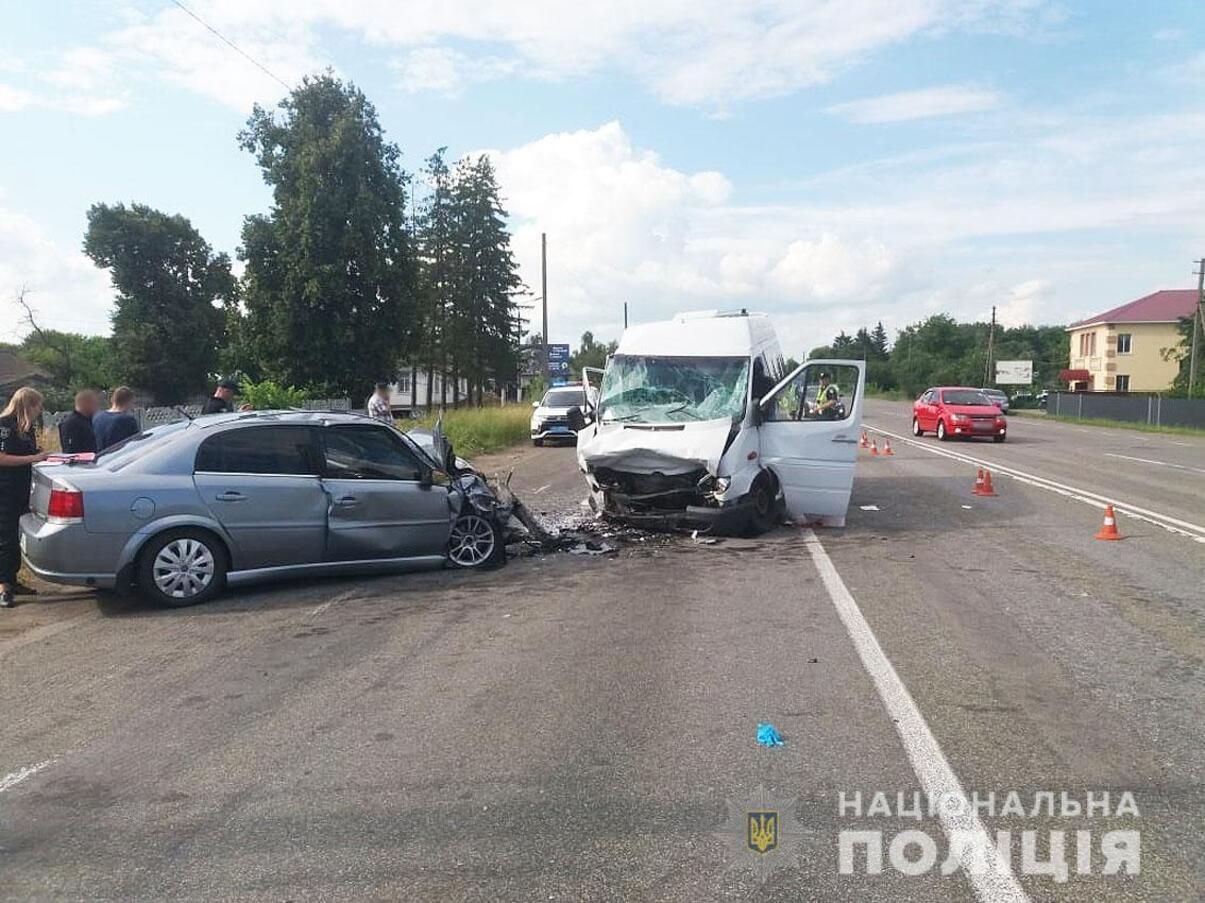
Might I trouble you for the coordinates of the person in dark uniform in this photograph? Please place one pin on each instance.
(75, 430)
(222, 400)
(18, 453)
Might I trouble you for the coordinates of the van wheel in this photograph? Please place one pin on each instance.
(182, 567)
(764, 516)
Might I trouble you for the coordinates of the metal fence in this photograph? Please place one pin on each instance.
(1150, 409)
(148, 417)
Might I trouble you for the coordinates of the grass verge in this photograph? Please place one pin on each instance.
(1116, 424)
(478, 431)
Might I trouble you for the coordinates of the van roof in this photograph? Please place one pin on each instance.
(703, 334)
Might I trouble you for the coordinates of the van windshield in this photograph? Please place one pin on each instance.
(642, 389)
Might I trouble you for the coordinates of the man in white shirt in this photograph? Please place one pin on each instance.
(378, 404)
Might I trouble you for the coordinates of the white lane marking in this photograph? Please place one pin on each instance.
(1153, 461)
(1166, 521)
(869, 507)
(10, 781)
(43, 632)
(321, 608)
(993, 884)
(542, 488)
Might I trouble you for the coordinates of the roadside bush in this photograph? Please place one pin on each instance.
(268, 395)
(477, 431)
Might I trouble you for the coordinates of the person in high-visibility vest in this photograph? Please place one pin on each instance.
(828, 399)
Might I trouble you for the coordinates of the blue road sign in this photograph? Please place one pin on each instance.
(558, 362)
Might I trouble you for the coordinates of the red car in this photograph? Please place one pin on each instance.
(952, 411)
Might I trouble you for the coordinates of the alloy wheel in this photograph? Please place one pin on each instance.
(472, 542)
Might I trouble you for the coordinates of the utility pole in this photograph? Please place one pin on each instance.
(544, 291)
(625, 315)
(991, 341)
(1198, 324)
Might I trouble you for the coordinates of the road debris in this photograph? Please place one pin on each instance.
(768, 736)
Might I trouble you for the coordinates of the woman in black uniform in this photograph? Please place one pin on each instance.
(18, 453)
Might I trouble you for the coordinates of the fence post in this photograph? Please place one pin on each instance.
(1159, 411)
(1149, 399)
(1079, 411)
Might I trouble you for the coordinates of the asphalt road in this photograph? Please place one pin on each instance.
(578, 727)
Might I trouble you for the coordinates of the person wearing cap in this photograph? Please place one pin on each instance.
(378, 404)
(222, 400)
(828, 398)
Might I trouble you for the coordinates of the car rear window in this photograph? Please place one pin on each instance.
(274, 449)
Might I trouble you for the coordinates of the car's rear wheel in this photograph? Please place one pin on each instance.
(916, 430)
(475, 543)
(941, 431)
(182, 567)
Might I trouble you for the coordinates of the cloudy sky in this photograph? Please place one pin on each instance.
(833, 162)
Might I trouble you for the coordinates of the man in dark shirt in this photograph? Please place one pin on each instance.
(75, 430)
(222, 400)
(116, 424)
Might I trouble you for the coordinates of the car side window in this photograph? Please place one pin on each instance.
(355, 452)
(267, 449)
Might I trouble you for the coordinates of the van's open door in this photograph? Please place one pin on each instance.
(592, 382)
(809, 437)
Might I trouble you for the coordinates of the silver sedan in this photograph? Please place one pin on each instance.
(182, 510)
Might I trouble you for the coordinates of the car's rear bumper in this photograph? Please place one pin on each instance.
(54, 553)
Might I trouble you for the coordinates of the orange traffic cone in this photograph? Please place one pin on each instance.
(979, 482)
(986, 488)
(887, 447)
(874, 447)
(1109, 530)
(865, 443)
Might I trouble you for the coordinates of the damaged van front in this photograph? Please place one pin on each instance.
(679, 438)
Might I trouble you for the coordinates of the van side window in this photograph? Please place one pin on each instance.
(818, 392)
(762, 382)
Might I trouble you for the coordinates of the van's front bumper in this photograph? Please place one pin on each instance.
(729, 520)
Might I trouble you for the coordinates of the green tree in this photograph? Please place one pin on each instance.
(1181, 352)
(329, 282)
(878, 342)
(438, 265)
(591, 353)
(167, 324)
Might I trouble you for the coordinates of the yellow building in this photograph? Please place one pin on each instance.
(1122, 349)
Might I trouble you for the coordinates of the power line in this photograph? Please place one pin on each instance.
(233, 46)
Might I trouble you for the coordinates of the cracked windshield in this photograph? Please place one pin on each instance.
(673, 389)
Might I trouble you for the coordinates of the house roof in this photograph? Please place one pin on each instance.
(16, 369)
(1167, 306)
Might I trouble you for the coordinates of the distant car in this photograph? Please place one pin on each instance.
(550, 419)
(998, 398)
(181, 510)
(958, 411)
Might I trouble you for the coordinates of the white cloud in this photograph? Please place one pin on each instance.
(708, 53)
(13, 100)
(946, 100)
(64, 287)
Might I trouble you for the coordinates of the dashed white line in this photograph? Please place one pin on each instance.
(1166, 521)
(11, 780)
(541, 489)
(1153, 461)
(994, 883)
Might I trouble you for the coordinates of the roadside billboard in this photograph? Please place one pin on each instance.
(1014, 373)
(558, 364)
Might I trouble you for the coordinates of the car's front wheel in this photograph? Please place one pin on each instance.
(538, 443)
(941, 431)
(916, 430)
(475, 543)
(182, 567)
(997, 438)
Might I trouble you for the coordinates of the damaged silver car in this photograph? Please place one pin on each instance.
(183, 510)
(698, 425)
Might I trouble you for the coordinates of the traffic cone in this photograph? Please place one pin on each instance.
(1109, 530)
(979, 482)
(874, 447)
(887, 447)
(865, 443)
(987, 488)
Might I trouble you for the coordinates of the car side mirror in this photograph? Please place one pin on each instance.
(426, 478)
(575, 419)
(535, 404)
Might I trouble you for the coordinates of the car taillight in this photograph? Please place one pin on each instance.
(65, 504)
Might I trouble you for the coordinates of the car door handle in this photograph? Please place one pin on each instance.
(230, 496)
(845, 440)
(347, 501)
